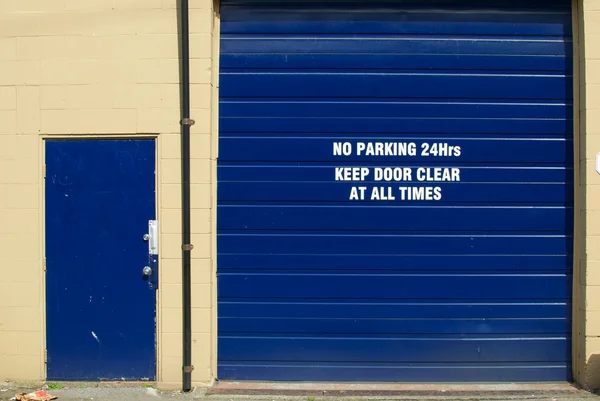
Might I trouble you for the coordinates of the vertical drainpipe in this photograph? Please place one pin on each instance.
(186, 122)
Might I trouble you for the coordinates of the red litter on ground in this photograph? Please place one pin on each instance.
(35, 396)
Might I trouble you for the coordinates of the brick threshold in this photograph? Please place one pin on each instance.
(387, 389)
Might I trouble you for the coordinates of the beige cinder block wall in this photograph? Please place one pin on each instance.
(100, 68)
(586, 275)
(586, 333)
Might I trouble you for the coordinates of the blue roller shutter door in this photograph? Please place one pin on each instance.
(395, 191)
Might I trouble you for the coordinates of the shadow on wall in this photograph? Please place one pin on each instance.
(587, 371)
(592, 373)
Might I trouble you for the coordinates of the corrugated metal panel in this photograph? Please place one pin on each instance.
(469, 280)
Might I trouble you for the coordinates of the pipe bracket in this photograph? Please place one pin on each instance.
(188, 369)
(187, 121)
(187, 247)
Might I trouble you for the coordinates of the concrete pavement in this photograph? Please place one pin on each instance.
(144, 392)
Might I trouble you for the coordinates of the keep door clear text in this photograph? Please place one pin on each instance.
(416, 183)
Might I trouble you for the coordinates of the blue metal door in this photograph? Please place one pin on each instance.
(100, 309)
(395, 190)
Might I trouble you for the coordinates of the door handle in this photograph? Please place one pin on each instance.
(150, 271)
(152, 237)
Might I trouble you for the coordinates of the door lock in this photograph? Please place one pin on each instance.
(150, 271)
